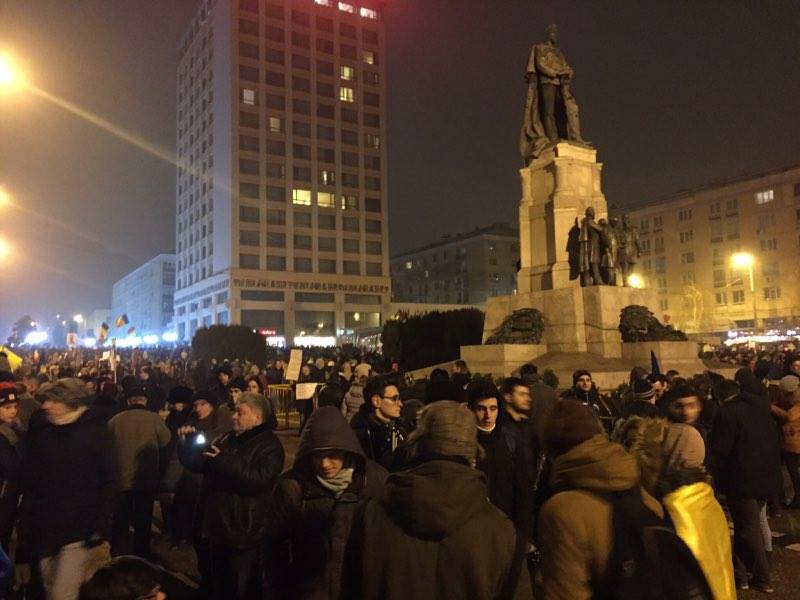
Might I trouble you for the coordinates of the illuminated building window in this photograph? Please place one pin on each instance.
(248, 96)
(347, 73)
(348, 8)
(369, 57)
(720, 298)
(772, 293)
(738, 297)
(373, 141)
(328, 3)
(349, 202)
(325, 199)
(275, 124)
(368, 13)
(300, 196)
(765, 196)
(346, 94)
(327, 177)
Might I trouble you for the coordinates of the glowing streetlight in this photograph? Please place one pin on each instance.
(745, 260)
(5, 198)
(5, 249)
(78, 318)
(10, 76)
(635, 281)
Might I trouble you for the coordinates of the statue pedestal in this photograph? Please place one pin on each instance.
(557, 188)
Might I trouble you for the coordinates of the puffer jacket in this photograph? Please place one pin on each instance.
(309, 525)
(237, 485)
(353, 400)
(434, 535)
(574, 528)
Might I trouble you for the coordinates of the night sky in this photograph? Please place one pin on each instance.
(673, 94)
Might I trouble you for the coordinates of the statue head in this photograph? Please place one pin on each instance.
(602, 222)
(589, 212)
(626, 220)
(551, 32)
(613, 221)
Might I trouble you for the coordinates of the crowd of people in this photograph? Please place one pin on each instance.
(452, 487)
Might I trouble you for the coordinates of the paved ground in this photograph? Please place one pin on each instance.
(786, 562)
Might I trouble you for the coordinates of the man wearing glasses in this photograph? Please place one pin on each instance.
(375, 423)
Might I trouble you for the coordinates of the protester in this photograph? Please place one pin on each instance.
(353, 399)
(179, 402)
(584, 389)
(69, 483)
(375, 424)
(642, 401)
(508, 479)
(10, 462)
(517, 428)
(124, 578)
(787, 412)
(684, 406)
(432, 534)
(139, 435)
(239, 473)
(461, 375)
(313, 506)
(745, 462)
(574, 529)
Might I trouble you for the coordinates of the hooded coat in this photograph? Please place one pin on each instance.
(434, 535)
(574, 527)
(309, 526)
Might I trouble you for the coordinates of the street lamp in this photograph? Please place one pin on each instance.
(5, 198)
(745, 260)
(78, 318)
(10, 77)
(5, 249)
(635, 281)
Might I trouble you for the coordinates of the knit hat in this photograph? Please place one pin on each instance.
(568, 424)
(207, 395)
(69, 391)
(180, 395)
(683, 446)
(789, 384)
(446, 428)
(578, 374)
(643, 390)
(8, 393)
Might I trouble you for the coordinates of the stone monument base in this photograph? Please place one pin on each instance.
(501, 360)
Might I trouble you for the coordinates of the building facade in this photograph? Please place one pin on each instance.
(281, 187)
(146, 296)
(466, 268)
(689, 243)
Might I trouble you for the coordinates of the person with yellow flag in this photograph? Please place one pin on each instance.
(8, 360)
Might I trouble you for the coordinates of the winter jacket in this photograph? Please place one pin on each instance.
(11, 449)
(574, 527)
(139, 435)
(69, 482)
(374, 436)
(434, 535)
(523, 442)
(640, 408)
(309, 526)
(508, 479)
(353, 400)
(237, 485)
(789, 419)
(745, 449)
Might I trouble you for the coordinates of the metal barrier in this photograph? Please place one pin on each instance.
(281, 396)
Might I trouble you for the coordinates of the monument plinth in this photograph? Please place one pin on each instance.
(557, 188)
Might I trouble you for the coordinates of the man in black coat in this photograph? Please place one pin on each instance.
(69, 483)
(313, 507)
(239, 473)
(745, 458)
(508, 478)
(375, 423)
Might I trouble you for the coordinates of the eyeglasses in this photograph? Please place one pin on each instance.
(395, 398)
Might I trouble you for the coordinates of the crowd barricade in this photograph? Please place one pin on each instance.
(281, 396)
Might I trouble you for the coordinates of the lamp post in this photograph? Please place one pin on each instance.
(746, 260)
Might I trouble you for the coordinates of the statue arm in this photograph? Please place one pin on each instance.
(542, 66)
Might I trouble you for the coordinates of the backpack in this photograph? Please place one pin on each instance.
(648, 560)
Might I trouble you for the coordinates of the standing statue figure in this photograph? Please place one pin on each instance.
(608, 262)
(574, 250)
(629, 249)
(549, 101)
(590, 254)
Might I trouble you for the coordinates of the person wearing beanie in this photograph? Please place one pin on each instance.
(312, 509)
(574, 528)
(69, 480)
(642, 402)
(432, 532)
(10, 461)
(584, 389)
(787, 412)
(670, 458)
(139, 436)
(507, 473)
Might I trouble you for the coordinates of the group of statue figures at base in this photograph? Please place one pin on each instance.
(602, 252)
(551, 112)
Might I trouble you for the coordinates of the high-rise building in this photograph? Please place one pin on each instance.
(466, 268)
(699, 249)
(145, 295)
(281, 189)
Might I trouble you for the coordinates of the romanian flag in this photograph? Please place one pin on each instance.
(131, 330)
(122, 320)
(103, 331)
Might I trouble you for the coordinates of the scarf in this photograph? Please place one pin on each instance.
(339, 483)
(485, 430)
(68, 418)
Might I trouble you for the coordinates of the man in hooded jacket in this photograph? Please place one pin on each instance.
(313, 506)
(432, 533)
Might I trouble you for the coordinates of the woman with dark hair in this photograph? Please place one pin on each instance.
(313, 507)
(124, 578)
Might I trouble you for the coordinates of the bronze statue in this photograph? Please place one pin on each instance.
(629, 249)
(574, 250)
(549, 79)
(590, 255)
(608, 261)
